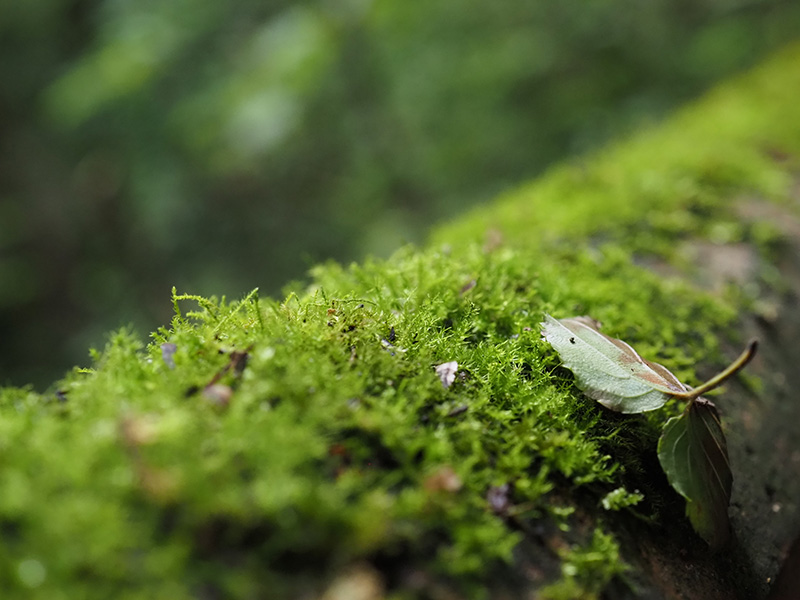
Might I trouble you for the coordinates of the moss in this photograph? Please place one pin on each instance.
(330, 444)
(261, 448)
(586, 570)
(669, 182)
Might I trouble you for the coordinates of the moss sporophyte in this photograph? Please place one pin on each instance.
(692, 448)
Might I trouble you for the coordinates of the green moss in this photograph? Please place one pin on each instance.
(329, 445)
(586, 569)
(620, 498)
(283, 442)
(669, 182)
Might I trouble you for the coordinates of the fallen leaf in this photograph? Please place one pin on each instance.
(139, 431)
(160, 484)
(218, 394)
(693, 453)
(609, 370)
(447, 373)
(360, 582)
(692, 448)
(445, 479)
(239, 361)
(468, 286)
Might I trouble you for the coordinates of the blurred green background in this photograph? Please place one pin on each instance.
(222, 145)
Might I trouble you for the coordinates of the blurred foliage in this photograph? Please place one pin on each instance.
(216, 146)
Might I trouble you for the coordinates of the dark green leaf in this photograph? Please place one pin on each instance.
(693, 454)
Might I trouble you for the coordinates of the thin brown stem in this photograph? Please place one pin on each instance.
(736, 366)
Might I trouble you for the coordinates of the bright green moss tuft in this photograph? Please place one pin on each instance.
(620, 498)
(667, 183)
(261, 449)
(296, 438)
(586, 569)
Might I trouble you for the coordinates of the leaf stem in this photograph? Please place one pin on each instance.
(744, 358)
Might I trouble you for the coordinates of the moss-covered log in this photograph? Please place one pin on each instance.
(307, 448)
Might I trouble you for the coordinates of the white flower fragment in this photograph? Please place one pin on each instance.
(447, 373)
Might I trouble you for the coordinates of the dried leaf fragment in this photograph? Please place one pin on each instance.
(445, 479)
(218, 394)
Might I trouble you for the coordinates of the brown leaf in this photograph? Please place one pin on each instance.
(443, 480)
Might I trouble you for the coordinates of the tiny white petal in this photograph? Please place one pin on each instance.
(447, 373)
